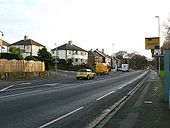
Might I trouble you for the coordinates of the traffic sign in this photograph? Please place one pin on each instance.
(152, 43)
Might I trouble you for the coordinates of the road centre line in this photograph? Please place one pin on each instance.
(105, 95)
(19, 94)
(25, 83)
(6, 88)
(53, 84)
(55, 120)
(30, 87)
(120, 87)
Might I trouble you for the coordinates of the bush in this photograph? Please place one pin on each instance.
(31, 58)
(11, 56)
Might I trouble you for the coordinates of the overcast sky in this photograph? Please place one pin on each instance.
(114, 25)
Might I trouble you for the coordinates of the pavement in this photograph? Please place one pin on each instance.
(145, 109)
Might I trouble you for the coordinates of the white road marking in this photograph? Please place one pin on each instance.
(6, 88)
(19, 94)
(53, 121)
(121, 87)
(31, 87)
(53, 84)
(25, 83)
(105, 95)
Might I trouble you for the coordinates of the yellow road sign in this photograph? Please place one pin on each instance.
(152, 43)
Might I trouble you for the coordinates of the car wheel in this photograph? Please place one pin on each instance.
(78, 78)
(88, 77)
(93, 77)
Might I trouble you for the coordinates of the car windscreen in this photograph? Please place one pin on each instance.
(82, 70)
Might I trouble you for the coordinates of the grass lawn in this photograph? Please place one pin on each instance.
(162, 83)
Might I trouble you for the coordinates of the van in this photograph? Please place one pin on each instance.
(102, 68)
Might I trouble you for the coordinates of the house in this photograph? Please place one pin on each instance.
(116, 63)
(94, 57)
(105, 58)
(29, 46)
(4, 47)
(71, 51)
(97, 56)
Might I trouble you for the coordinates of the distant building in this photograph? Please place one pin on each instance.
(94, 57)
(29, 46)
(71, 51)
(97, 56)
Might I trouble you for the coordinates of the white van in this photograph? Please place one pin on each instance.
(125, 67)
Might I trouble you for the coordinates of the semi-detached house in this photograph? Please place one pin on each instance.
(29, 46)
(71, 51)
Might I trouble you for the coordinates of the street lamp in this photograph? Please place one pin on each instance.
(159, 40)
(56, 58)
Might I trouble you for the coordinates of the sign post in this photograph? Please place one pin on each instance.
(166, 78)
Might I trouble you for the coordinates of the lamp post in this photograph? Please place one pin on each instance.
(159, 40)
(56, 58)
(1, 43)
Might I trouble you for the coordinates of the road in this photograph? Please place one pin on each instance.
(62, 103)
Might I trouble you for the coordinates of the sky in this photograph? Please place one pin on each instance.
(112, 25)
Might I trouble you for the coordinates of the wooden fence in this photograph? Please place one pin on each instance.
(11, 66)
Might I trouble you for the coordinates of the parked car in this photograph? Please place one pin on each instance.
(85, 74)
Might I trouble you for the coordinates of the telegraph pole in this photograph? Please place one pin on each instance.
(56, 59)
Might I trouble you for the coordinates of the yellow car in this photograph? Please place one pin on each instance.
(85, 73)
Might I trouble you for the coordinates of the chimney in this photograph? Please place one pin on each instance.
(25, 37)
(102, 50)
(70, 42)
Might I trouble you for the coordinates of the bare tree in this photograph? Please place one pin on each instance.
(166, 44)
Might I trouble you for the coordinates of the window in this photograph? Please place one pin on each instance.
(76, 60)
(69, 52)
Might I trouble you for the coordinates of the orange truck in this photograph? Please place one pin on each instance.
(102, 68)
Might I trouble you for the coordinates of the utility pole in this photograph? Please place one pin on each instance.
(56, 58)
(159, 59)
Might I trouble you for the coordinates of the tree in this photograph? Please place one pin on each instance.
(138, 62)
(135, 60)
(166, 44)
(120, 55)
(17, 51)
(69, 61)
(44, 55)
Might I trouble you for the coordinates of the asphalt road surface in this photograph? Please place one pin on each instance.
(65, 103)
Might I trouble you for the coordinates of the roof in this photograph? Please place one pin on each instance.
(94, 53)
(4, 43)
(99, 52)
(69, 46)
(27, 42)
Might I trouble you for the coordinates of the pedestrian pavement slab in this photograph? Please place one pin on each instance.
(145, 109)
